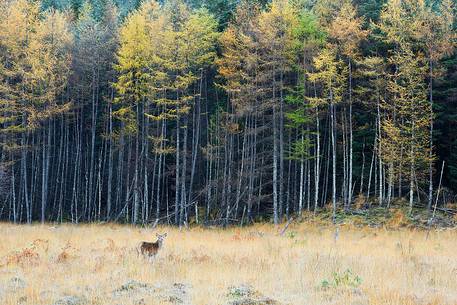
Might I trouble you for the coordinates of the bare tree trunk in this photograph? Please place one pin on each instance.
(163, 135)
(275, 171)
(381, 181)
(317, 163)
(430, 162)
(127, 180)
(281, 147)
(13, 194)
(136, 206)
(195, 138)
(120, 171)
(177, 172)
(363, 170)
(45, 171)
(253, 168)
(391, 182)
(145, 166)
(332, 114)
(351, 140)
(24, 174)
(110, 157)
(412, 173)
(242, 166)
(183, 208)
(89, 189)
(344, 185)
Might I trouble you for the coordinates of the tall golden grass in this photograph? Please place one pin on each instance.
(306, 265)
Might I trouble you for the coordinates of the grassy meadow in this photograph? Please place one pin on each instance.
(309, 264)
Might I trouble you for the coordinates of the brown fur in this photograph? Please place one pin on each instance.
(150, 249)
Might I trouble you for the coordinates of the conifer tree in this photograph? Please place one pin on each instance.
(346, 30)
(436, 36)
(331, 74)
(407, 116)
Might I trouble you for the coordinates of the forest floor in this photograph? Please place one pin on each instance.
(311, 263)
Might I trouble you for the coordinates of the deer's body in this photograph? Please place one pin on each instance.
(150, 249)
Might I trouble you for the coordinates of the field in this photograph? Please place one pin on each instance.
(309, 264)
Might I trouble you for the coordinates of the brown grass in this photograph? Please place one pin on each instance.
(305, 266)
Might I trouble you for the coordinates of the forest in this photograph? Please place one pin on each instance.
(224, 112)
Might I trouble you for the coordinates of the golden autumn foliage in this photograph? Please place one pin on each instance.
(161, 56)
(37, 63)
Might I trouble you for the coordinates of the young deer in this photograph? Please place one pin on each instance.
(150, 250)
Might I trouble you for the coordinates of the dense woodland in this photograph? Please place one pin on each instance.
(224, 112)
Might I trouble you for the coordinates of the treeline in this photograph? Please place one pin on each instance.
(221, 112)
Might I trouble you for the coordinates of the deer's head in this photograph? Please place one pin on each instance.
(161, 238)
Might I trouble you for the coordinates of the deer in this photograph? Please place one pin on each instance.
(150, 249)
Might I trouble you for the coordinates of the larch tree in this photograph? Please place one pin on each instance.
(20, 19)
(238, 67)
(133, 86)
(50, 59)
(347, 31)
(330, 73)
(95, 46)
(412, 108)
(163, 57)
(407, 110)
(276, 39)
(437, 39)
(369, 93)
(36, 73)
(309, 37)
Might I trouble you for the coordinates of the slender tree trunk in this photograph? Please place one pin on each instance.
(363, 170)
(275, 170)
(24, 174)
(351, 140)
(281, 147)
(430, 161)
(381, 199)
(195, 139)
(161, 156)
(317, 163)
(110, 157)
(177, 172)
(332, 119)
(412, 173)
(183, 208)
(136, 205)
(344, 185)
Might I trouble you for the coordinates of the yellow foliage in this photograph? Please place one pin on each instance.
(346, 28)
(37, 48)
(162, 53)
(331, 73)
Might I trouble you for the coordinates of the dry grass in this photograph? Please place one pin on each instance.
(42, 264)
